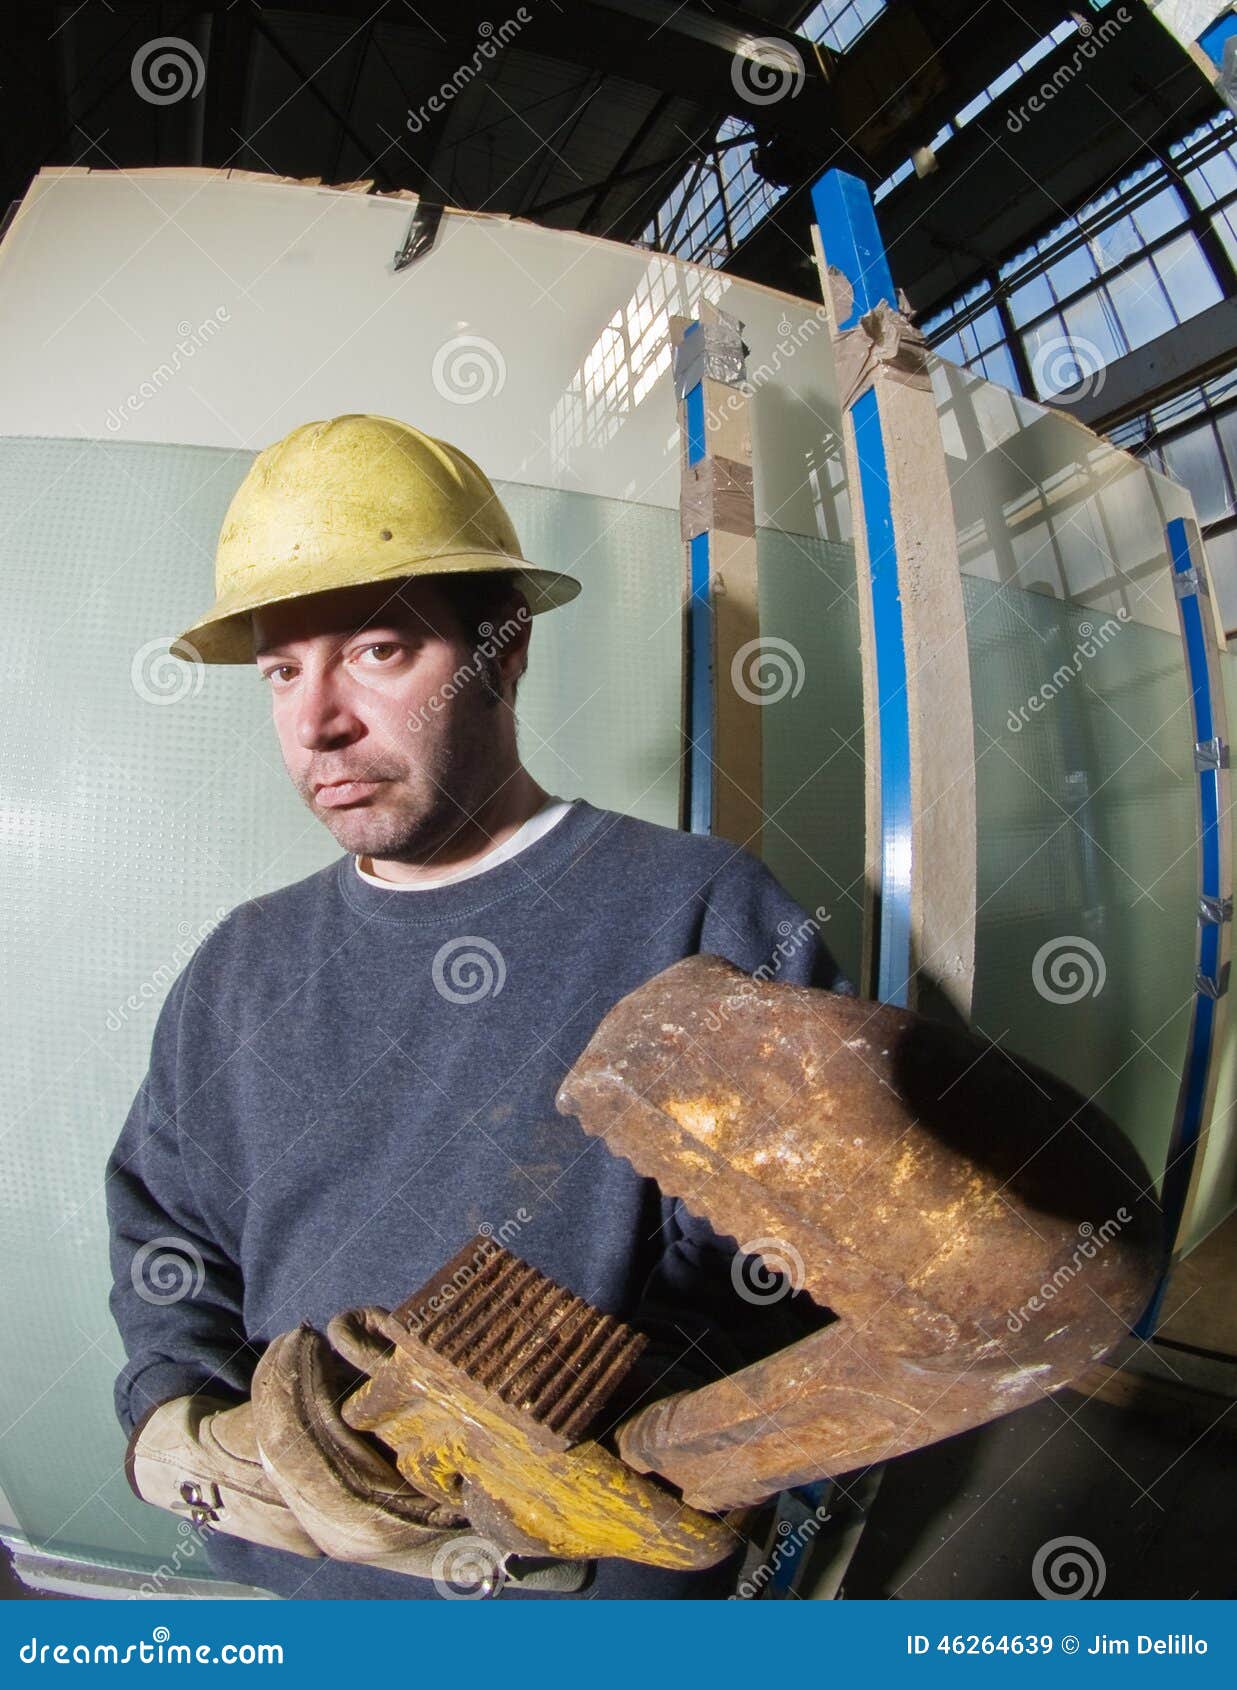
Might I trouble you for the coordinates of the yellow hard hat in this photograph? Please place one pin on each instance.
(348, 501)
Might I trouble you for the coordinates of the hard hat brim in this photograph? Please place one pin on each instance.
(224, 634)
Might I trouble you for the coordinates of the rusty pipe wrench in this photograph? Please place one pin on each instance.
(982, 1232)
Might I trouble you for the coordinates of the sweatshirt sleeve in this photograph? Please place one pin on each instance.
(176, 1295)
(752, 921)
(709, 1307)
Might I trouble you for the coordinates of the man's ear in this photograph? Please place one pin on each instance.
(513, 643)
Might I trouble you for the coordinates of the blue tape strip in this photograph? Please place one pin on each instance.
(1213, 38)
(851, 240)
(695, 424)
(700, 692)
(1183, 1144)
(895, 729)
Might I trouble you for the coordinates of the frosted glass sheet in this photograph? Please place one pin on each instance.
(1087, 891)
(1043, 504)
(1218, 1178)
(140, 800)
(812, 731)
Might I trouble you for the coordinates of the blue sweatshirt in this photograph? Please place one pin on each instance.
(347, 1083)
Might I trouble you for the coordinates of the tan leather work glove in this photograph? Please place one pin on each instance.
(285, 1471)
(197, 1456)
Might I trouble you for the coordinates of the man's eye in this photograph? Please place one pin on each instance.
(382, 645)
(278, 668)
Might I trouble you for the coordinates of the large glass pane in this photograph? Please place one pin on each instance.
(1222, 562)
(1085, 802)
(812, 732)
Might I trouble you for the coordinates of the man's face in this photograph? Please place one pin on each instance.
(378, 686)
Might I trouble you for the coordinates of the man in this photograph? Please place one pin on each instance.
(356, 1073)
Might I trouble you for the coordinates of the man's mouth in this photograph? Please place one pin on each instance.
(333, 794)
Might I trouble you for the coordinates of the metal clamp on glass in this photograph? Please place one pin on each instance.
(1209, 985)
(1215, 909)
(1187, 581)
(715, 350)
(1210, 754)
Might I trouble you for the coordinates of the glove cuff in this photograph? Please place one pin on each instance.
(195, 1456)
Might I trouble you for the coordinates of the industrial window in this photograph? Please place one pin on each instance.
(840, 23)
(1193, 438)
(1128, 266)
(720, 199)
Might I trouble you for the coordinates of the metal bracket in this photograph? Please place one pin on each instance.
(1215, 909)
(1187, 581)
(1209, 986)
(1210, 754)
(422, 233)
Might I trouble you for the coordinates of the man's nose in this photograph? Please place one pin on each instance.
(323, 715)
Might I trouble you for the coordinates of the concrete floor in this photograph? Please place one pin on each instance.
(966, 1517)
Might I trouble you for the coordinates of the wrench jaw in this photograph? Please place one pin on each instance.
(983, 1233)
